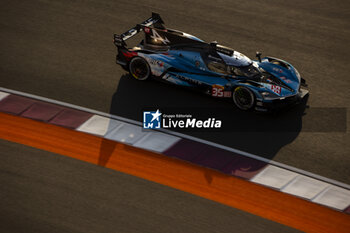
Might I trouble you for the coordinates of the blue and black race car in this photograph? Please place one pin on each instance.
(183, 59)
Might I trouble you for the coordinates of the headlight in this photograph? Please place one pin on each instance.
(269, 96)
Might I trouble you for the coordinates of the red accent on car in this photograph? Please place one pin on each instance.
(276, 89)
(128, 55)
(227, 94)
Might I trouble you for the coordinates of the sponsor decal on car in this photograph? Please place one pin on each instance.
(276, 89)
(227, 94)
(171, 79)
(157, 67)
(277, 70)
(188, 80)
(286, 80)
(156, 62)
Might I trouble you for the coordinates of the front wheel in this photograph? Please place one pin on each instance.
(139, 68)
(243, 98)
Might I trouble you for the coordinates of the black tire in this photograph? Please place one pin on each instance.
(139, 68)
(243, 98)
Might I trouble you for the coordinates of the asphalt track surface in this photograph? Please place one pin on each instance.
(46, 192)
(63, 50)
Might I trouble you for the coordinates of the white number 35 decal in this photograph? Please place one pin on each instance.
(219, 92)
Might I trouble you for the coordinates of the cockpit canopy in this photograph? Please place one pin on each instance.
(237, 64)
(237, 59)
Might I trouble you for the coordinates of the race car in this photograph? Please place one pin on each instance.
(182, 59)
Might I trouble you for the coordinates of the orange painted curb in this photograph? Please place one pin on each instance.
(204, 182)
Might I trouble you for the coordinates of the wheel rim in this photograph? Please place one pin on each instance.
(139, 69)
(243, 98)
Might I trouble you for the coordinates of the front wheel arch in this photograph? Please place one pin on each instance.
(243, 98)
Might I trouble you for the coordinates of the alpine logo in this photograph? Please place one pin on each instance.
(155, 36)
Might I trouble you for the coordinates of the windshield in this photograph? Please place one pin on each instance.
(236, 65)
(246, 71)
(237, 59)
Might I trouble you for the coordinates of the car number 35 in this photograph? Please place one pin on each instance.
(219, 92)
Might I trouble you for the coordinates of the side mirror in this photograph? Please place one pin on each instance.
(258, 55)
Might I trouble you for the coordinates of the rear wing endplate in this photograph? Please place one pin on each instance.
(155, 20)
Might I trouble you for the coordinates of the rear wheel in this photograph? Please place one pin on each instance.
(243, 98)
(139, 68)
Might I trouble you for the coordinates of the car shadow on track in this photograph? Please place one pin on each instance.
(258, 133)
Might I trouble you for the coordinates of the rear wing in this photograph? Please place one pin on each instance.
(155, 20)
